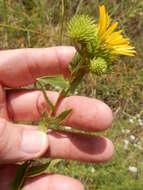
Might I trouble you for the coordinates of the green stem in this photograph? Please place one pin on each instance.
(60, 97)
(74, 83)
(51, 106)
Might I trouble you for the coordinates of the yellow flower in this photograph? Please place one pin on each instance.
(111, 39)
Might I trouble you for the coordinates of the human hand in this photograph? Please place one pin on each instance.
(20, 142)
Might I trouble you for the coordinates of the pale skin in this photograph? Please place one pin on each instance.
(20, 142)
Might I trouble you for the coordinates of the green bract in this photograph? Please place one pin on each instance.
(83, 32)
(98, 65)
(82, 28)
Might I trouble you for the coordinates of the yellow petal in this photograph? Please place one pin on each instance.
(111, 29)
(103, 20)
(112, 41)
(124, 50)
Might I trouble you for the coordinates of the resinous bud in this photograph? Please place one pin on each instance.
(98, 65)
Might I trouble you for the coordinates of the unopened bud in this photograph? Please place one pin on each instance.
(98, 65)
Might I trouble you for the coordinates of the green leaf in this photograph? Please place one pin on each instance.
(49, 103)
(63, 115)
(19, 179)
(42, 166)
(55, 81)
(53, 122)
(57, 120)
(38, 168)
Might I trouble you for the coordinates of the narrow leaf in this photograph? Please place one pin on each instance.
(55, 81)
(57, 120)
(63, 115)
(19, 179)
(38, 168)
(42, 166)
(49, 103)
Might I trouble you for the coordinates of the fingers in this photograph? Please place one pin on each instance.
(87, 113)
(43, 182)
(7, 173)
(80, 147)
(22, 67)
(68, 146)
(53, 182)
(3, 106)
(18, 143)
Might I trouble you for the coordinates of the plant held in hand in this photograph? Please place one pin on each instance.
(97, 45)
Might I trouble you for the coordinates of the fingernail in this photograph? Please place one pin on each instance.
(34, 142)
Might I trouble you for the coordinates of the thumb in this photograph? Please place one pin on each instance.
(18, 143)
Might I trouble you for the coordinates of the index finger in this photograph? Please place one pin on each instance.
(21, 67)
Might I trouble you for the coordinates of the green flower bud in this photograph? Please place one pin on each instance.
(98, 65)
(82, 28)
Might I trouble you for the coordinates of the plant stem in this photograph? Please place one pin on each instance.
(60, 98)
(49, 103)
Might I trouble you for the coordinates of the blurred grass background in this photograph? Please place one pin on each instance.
(36, 23)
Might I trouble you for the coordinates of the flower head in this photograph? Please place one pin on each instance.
(98, 65)
(82, 29)
(112, 40)
(97, 44)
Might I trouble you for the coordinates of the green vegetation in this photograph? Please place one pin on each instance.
(25, 23)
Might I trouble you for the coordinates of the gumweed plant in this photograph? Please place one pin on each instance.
(97, 45)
